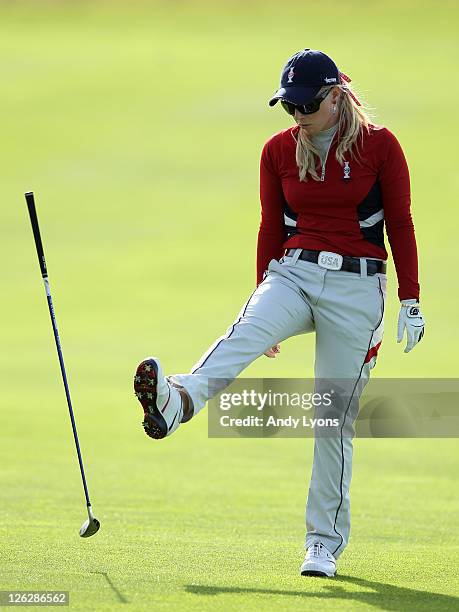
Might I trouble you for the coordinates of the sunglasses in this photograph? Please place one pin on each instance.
(305, 109)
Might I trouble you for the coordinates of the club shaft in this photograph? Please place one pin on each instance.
(41, 259)
(67, 392)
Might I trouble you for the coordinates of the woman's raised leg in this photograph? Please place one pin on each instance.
(276, 310)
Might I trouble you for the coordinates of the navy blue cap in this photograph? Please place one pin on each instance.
(304, 75)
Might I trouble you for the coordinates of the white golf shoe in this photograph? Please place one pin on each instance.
(318, 561)
(161, 402)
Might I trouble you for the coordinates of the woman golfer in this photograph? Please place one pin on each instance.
(328, 185)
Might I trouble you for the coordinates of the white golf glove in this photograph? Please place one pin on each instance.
(410, 318)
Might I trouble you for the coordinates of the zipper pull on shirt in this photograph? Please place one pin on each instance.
(323, 141)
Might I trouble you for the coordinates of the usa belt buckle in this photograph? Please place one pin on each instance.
(329, 260)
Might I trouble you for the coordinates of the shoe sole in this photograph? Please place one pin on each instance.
(317, 574)
(145, 387)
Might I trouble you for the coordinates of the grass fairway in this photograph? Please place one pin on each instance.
(139, 126)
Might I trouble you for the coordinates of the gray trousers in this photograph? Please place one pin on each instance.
(346, 311)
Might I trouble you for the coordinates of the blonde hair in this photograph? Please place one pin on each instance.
(352, 120)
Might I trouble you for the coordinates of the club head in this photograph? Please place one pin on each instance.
(89, 528)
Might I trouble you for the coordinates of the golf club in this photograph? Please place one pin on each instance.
(91, 525)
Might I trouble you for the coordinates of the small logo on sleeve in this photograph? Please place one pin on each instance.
(347, 170)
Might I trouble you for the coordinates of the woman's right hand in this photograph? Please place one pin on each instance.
(272, 352)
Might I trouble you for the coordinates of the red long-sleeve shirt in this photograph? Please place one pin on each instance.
(346, 211)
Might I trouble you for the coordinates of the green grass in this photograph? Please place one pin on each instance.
(140, 131)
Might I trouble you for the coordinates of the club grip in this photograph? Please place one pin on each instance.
(36, 232)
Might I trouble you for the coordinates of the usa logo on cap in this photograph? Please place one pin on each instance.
(291, 74)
